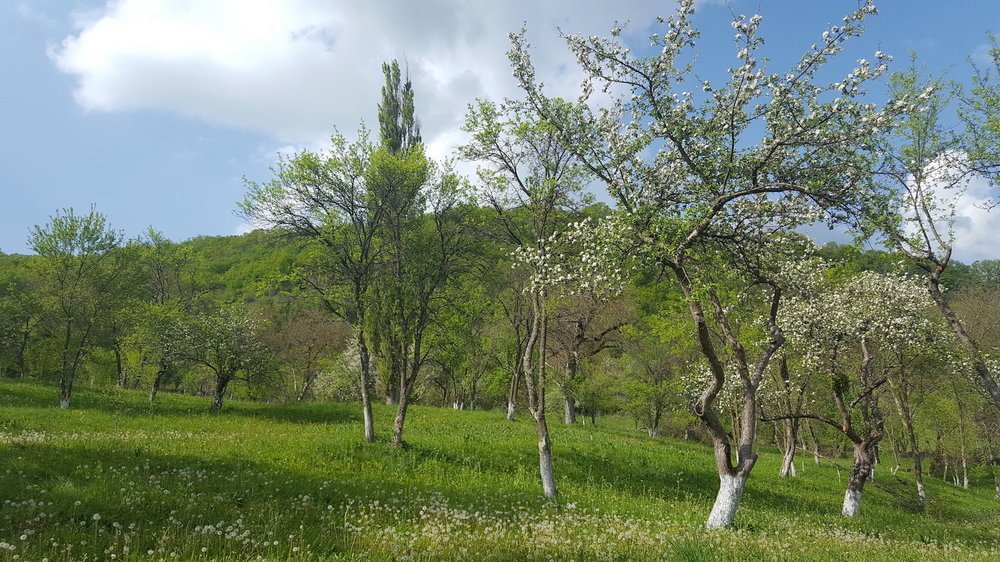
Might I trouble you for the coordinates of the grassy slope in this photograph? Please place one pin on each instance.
(116, 476)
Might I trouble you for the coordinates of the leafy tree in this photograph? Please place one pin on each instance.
(325, 198)
(227, 342)
(79, 263)
(695, 173)
(397, 118)
(929, 165)
(532, 182)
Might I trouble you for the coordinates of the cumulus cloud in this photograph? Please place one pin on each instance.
(976, 231)
(298, 68)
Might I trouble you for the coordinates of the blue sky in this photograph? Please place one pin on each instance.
(154, 110)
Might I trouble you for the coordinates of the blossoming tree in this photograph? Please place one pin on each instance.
(690, 169)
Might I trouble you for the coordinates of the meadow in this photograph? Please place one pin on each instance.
(118, 478)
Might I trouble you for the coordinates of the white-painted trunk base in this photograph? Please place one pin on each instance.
(64, 403)
(726, 503)
(788, 466)
(852, 503)
(545, 469)
(920, 491)
(510, 411)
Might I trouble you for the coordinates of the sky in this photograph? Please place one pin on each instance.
(154, 111)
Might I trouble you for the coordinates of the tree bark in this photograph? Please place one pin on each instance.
(727, 501)
(788, 462)
(535, 379)
(906, 414)
(366, 399)
(569, 418)
(220, 392)
(857, 479)
(397, 426)
(157, 380)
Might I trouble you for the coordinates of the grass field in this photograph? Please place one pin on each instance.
(116, 478)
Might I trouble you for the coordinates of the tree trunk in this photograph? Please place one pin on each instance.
(366, 398)
(157, 380)
(65, 392)
(726, 501)
(119, 369)
(788, 462)
(918, 471)
(515, 379)
(397, 426)
(815, 445)
(545, 458)
(979, 365)
(569, 417)
(857, 479)
(220, 392)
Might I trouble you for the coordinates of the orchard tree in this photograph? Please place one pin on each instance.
(860, 327)
(690, 168)
(928, 166)
(587, 256)
(324, 197)
(532, 182)
(226, 342)
(583, 326)
(306, 345)
(79, 263)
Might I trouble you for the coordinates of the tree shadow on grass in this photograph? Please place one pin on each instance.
(133, 403)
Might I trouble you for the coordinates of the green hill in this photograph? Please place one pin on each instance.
(118, 478)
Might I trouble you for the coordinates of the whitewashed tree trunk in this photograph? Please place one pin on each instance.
(64, 403)
(727, 501)
(511, 407)
(920, 490)
(545, 460)
(852, 502)
(788, 463)
(856, 481)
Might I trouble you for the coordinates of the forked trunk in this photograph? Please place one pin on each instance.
(727, 501)
(788, 462)
(65, 393)
(515, 381)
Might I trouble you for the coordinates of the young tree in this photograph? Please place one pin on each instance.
(682, 166)
(422, 241)
(324, 197)
(531, 182)
(585, 257)
(929, 166)
(78, 264)
(171, 291)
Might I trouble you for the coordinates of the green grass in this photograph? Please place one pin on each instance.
(116, 477)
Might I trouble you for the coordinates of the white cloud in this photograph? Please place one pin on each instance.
(296, 69)
(977, 224)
